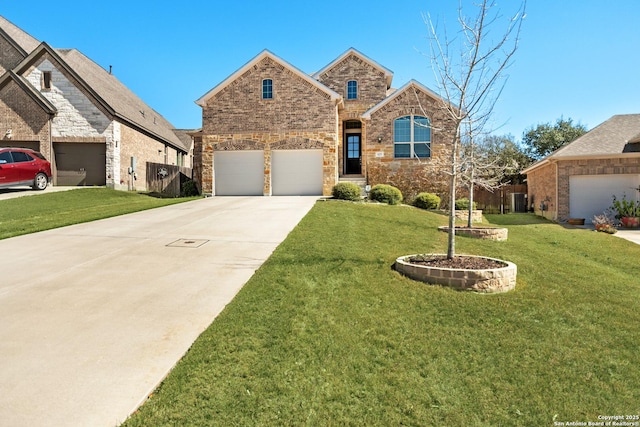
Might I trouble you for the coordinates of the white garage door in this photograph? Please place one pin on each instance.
(296, 172)
(590, 195)
(238, 173)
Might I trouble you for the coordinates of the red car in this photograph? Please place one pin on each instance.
(22, 166)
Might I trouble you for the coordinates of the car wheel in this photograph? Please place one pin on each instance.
(41, 182)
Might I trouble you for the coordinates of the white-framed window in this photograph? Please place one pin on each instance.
(267, 89)
(352, 89)
(411, 137)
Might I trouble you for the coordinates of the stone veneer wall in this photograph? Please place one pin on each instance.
(26, 119)
(372, 88)
(567, 168)
(300, 115)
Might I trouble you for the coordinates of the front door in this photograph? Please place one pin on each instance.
(353, 154)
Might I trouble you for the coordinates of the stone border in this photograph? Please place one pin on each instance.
(486, 233)
(486, 281)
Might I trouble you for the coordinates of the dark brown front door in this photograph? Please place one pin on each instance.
(353, 153)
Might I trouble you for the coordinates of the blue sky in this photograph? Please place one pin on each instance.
(577, 58)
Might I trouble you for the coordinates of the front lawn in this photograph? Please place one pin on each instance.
(24, 215)
(327, 334)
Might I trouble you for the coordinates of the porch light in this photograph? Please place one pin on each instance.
(380, 139)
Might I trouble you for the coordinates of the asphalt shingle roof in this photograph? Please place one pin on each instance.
(19, 36)
(122, 101)
(608, 138)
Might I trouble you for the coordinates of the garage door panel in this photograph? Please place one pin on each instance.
(239, 173)
(296, 172)
(590, 195)
(80, 164)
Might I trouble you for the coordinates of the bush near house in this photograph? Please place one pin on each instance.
(346, 191)
(385, 193)
(427, 201)
(463, 204)
(412, 182)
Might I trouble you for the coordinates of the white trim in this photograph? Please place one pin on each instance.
(202, 101)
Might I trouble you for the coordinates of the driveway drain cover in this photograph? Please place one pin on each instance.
(187, 243)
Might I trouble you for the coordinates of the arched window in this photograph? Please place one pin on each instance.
(412, 137)
(267, 89)
(352, 89)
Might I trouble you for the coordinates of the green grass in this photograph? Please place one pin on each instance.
(24, 215)
(327, 334)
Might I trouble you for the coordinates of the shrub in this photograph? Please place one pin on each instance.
(189, 188)
(384, 193)
(346, 191)
(427, 201)
(463, 204)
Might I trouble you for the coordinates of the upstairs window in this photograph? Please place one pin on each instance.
(46, 80)
(411, 137)
(352, 89)
(267, 89)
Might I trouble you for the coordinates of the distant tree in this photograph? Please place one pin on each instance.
(490, 162)
(508, 155)
(546, 138)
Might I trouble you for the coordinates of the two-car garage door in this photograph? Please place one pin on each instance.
(293, 172)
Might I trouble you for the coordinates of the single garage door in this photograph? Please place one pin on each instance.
(80, 163)
(239, 173)
(296, 172)
(590, 195)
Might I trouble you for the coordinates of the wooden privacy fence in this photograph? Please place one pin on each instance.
(167, 179)
(506, 199)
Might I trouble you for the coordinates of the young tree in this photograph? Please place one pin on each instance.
(469, 72)
(546, 138)
(489, 162)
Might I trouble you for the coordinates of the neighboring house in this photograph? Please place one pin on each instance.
(81, 117)
(271, 129)
(580, 179)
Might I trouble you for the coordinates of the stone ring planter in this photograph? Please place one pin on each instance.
(494, 280)
(486, 233)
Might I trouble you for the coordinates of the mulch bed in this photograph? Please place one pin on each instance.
(457, 262)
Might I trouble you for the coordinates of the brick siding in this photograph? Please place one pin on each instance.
(381, 155)
(9, 56)
(26, 119)
(300, 116)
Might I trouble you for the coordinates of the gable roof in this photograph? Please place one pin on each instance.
(609, 139)
(20, 39)
(335, 97)
(113, 96)
(43, 102)
(412, 84)
(388, 74)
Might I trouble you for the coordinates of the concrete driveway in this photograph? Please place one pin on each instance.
(93, 316)
(12, 193)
